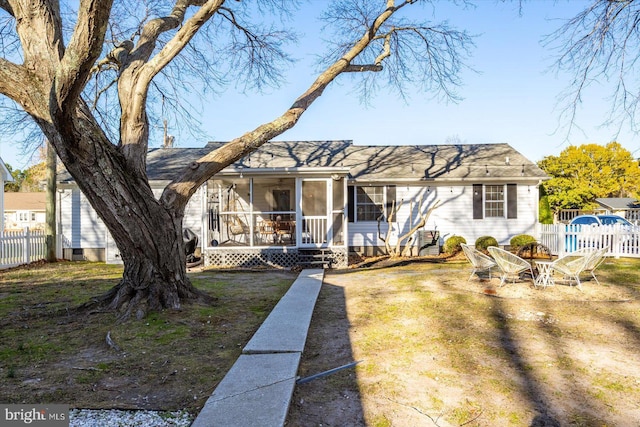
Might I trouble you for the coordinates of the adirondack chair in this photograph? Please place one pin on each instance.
(478, 260)
(510, 264)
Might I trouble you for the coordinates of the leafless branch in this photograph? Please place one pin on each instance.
(600, 44)
(426, 55)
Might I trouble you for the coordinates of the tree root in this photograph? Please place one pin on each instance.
(135, 301)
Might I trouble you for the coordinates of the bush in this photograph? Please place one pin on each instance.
(484, 242)
(452, 245)
(520, 240)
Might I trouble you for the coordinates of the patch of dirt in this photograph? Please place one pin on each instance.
(436, 349)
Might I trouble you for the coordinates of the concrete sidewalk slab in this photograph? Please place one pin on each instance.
(286, 327)
(258, 388)
(256, 391)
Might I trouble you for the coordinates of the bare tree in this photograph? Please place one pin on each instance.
(59, 68)
(601, 45)
(407, 238)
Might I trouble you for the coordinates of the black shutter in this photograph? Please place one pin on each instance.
(512, 200)
(477, 201)
(350, 203)
(391, 197)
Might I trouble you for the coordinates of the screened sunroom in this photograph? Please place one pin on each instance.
(256, 217)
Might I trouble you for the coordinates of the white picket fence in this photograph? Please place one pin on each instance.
(562, 238)
(21, 247)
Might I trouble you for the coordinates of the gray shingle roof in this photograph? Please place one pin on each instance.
(618, 202)
(367, 162)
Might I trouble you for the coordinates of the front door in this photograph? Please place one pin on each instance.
(315, 213)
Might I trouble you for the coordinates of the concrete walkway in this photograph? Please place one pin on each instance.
(257, 389)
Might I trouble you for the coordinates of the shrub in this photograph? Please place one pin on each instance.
(484, 242)
(520, 240)
(452, 245)
(545, 216)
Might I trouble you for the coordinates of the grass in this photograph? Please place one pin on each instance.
(434, 348)
(438, 350)
(171, 360)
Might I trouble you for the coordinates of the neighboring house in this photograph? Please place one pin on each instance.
(24, 210)
(289, 199)
(625, 207)
(618, 205)
(5, 176)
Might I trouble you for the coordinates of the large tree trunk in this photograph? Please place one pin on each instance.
(154, 275)
(147, 232)
(150, 242)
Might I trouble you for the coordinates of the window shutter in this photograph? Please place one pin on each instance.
(477, 201)
(391, 197)
(351, 190)
(512, 200)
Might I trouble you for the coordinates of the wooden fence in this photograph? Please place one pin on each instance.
(562, 238)
(21, 247)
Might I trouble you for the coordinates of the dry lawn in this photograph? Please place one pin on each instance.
(436, 350)
(169, 361)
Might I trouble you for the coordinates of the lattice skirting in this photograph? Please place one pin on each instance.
(251, 258)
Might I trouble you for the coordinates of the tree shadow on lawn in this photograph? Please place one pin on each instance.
(333, 399)
(533, 356)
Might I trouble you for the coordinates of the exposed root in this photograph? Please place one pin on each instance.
(128, 301)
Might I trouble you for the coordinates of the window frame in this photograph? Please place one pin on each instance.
(509, 200)
(357, 204)
(495, 207)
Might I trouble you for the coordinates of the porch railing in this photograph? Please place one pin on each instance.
(314, 230)
(566, 215)
(21, 247)
(562, 238)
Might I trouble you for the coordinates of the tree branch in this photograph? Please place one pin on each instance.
(361, 68)
(12, 77)
(84, 48)
(182, 37)
(4, 4)
(178, 192)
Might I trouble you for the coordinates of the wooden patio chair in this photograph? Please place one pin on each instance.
(571, 266)
(478, 260)
(510, 264)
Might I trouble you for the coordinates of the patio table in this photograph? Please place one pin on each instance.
(545, 273)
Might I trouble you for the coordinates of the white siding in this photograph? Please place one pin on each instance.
(1, 202)
(453, 216)
(193, 213)
(80, 225)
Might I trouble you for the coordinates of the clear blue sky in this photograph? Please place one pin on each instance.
(512, 99)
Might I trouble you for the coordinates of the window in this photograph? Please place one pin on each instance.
(33, 216)
(369, 203)
(23, 216)
(494, 201)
